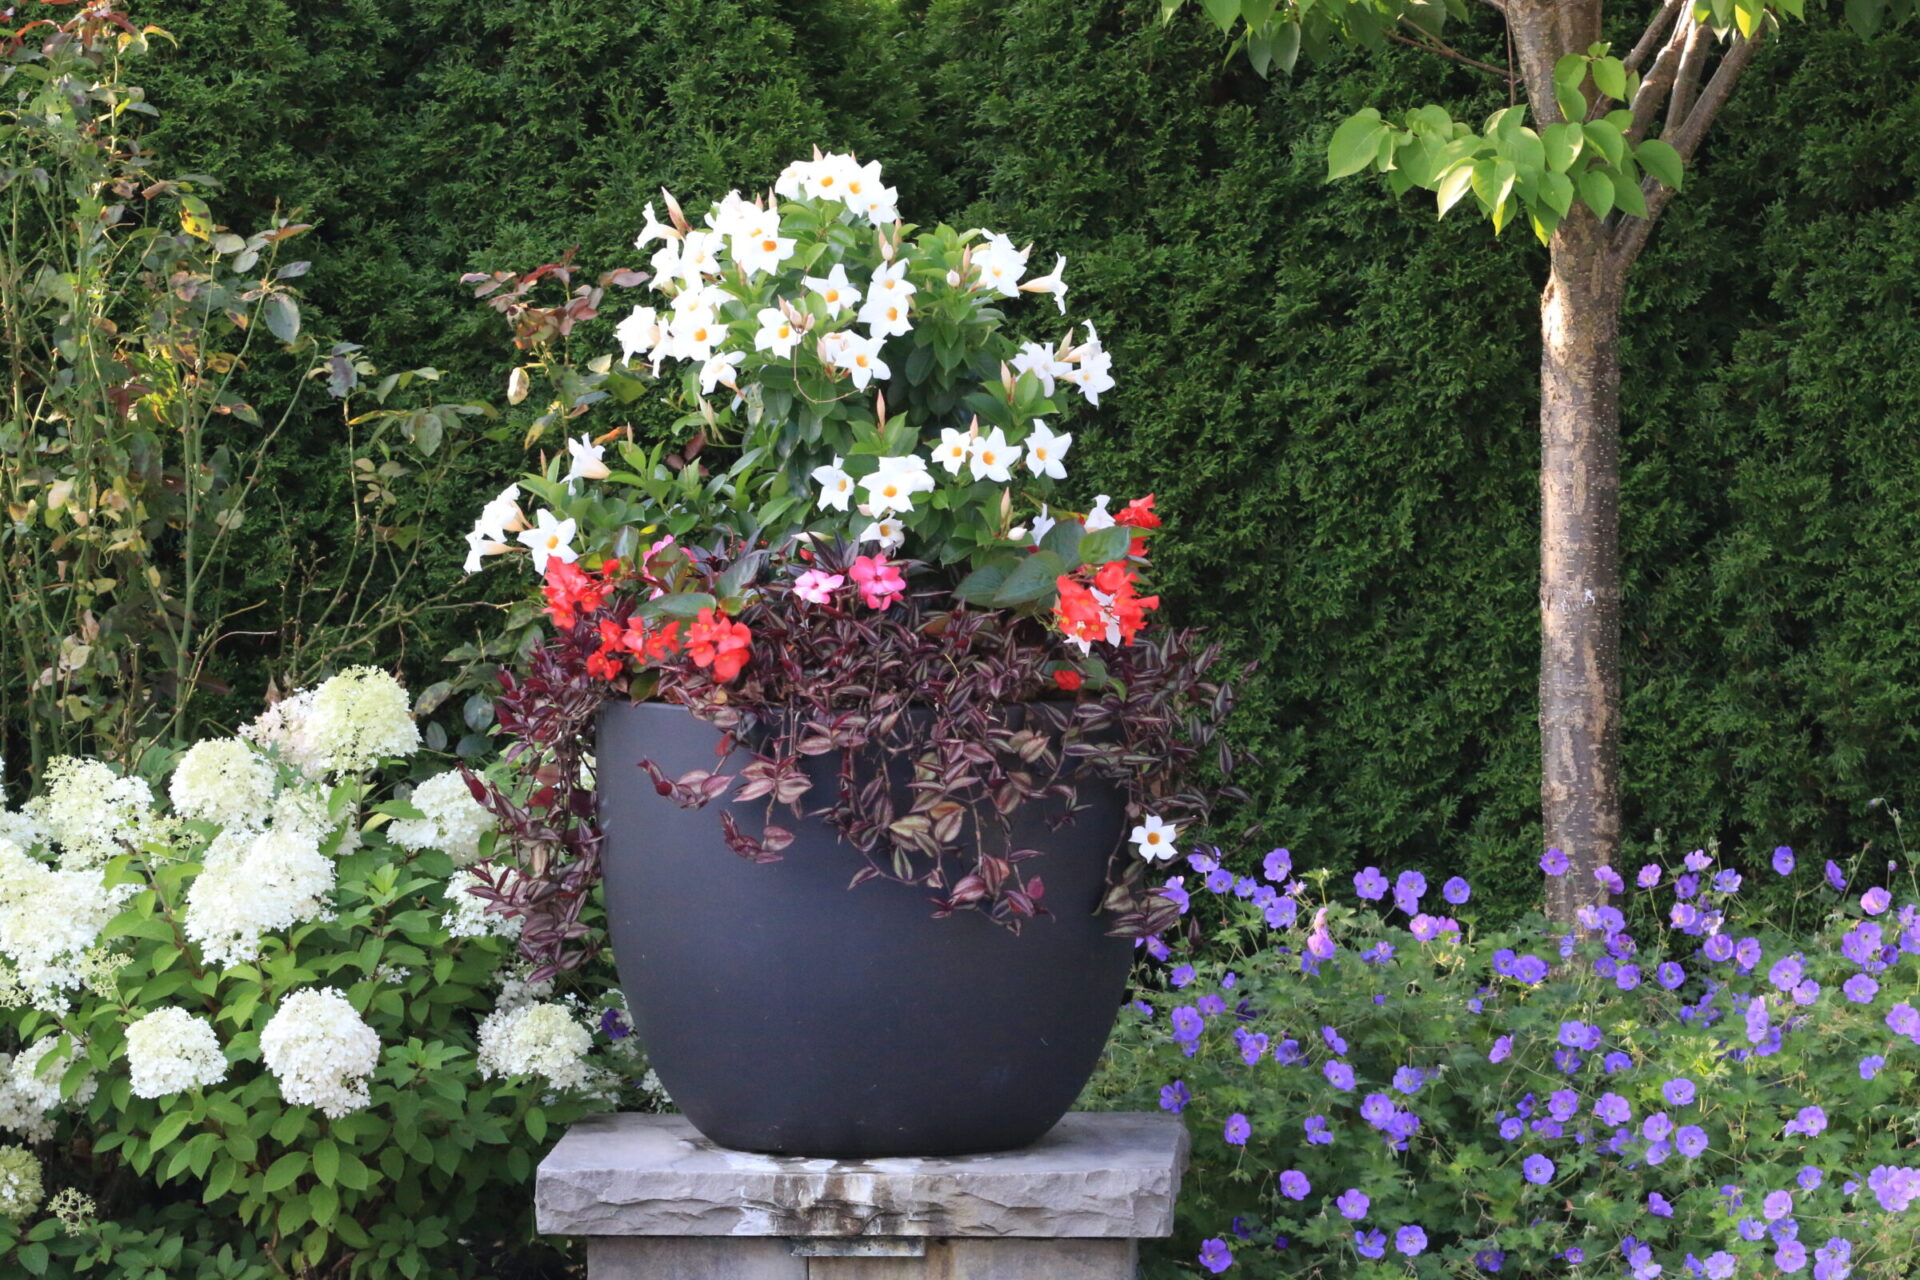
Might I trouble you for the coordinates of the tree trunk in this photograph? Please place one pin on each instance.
(1580, 562)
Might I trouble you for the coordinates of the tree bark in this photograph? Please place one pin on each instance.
(1580, 561)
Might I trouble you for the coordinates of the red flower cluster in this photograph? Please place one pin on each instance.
(1138, 515)
(571, 592)
(714, 641)
(649, 645)
(1111, 609)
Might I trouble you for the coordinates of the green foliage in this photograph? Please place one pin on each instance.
(1334, 401)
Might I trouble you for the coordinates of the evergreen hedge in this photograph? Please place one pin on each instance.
(1333, 396)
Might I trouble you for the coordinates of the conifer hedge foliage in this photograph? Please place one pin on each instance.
(1332, 400)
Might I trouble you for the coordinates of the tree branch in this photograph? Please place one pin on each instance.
(1629, 236)
(1432, 45)
(1650, 39)
(1660, 80)
(1687, 82)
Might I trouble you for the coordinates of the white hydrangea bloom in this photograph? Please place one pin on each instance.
(359, 718)
(283, 729)
(252, 885)
(37, 1081)
(535, 1039)
(321, 1051)
(224, 781)
(49, 918)
(468, 917)
(19, 1115)
(21, 828)
(170, 1050)
(515, 990)
(20, 1186)
(455, 821)
(88, 810)
(302, 809)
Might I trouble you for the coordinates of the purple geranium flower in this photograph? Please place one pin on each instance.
(1726, 880)
(1658, 1205)
(1211, 1005)
(1649, 876)
(1187, 1024)
(1783, 861)
(1490, 1260)
(1609, 879)
(1836, 877)
(1810, 1178)
(1370, 1244)
(1294, 1185)
(1353, 1204)
(1875, 900)
(1870, 1065)
(1791, 1256)
(1611, 1108)
(1215, 1256)
(1410, 1240)
(1861, 989)
(1318, 1134)
(1456, 891)
(1678, 1092)
(1720, 1265)
(1333, 1040)
(1671, 975)
(1777, 1205)
(1277, 866)
(1615, 1061)
(1219, 880)
(1812, 1121)
(1691, 1139)
(1554, 862)
(1174, 1097)
(1408, 1080)
(1537, 1169)
(1238, 1130)
(1370, 884)
(1181, 975)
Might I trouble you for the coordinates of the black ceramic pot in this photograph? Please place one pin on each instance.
(787, 1013)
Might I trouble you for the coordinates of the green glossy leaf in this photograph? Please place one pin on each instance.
(326, 1161)
(1223, 13)
(281, 1174)
(1064, 541)
(1031, 580)
(1453, 184)
(1562, 143)
(1662, 161)
(1610, 74)
(282, 315)
(1607, 140)
(1569, 73)
(1627, 196)
(1596, 188)
(1556, 192)
(1103, 545)
(1355, 144)
(980, 586)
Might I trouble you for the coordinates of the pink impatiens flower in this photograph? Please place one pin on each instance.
(880, 583)
(816, 587)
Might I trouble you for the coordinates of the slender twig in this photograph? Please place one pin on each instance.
(1653, 90)
(1687, 82)
(1434, 46)
(1670, 14)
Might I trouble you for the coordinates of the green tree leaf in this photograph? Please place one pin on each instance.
(282, 315)
(1596, 188)
(1610, 74)
(281, 1174)
(1031, 580)
(1355, 144)
(1662, 161)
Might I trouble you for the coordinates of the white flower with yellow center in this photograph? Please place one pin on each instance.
(637, 333)
(1038, 359)
(501, 516)
(861, 358)
(792, 182)
(654, 230)
(828, 176)
(890, 489)
(549, 539)
(836, 486)
(886, 531)
(731, 215)
(720, 368)
(955, 448)
(694, 334)
(834, 289)
(759, 246)
(860, 182)
(1051, 283)
(1155, 839)
(1046, 451)
(881, 206)
(777, 333)
(885, 315)
(890, 281)
(700, 255)
(991, 455)
(1094, 373)
(1000, 265)
(479, 545)
(587, 461)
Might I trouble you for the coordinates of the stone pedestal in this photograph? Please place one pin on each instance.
(659, 1202)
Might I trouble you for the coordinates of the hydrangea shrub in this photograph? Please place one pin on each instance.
(1685, 1087)
(276, 998)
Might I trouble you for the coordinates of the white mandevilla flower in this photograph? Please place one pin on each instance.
(654, 230)
(361, 717)
(1051, 283)
(1155, 839)
(479, 546)
(467, 915)
(1039, 359)
(861, 358)
(540, 1039)
(695, 330)
(549, 539)
(587, 461)
(321, 1051)
(861, 181)
(455, 822)
(502, 515)
(1046, 452)
(792, 182)
(891, 487)
(732, 216)
(21, 1189)
(777, 333)
(991, 456)
(885, 316)
(1099, 517)
(700, 255)
(759, 246)
(251, 886)
(37, 1071)
(836, 486)
(881, 205)
(827, 176)
(91, 812)
(834, 289)
(1093, 373)
(223, 781)
(886, 531)
(1000, 264)
(170, 1050)
(955, 448)
(49, 918)
(889, 280)
(1042, 525)
(720, 368)
(641, 332)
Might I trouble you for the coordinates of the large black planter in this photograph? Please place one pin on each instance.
(787, 1013)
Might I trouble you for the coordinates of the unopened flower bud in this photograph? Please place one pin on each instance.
(517, 385)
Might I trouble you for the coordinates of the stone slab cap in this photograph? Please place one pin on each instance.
(1109, 1175)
